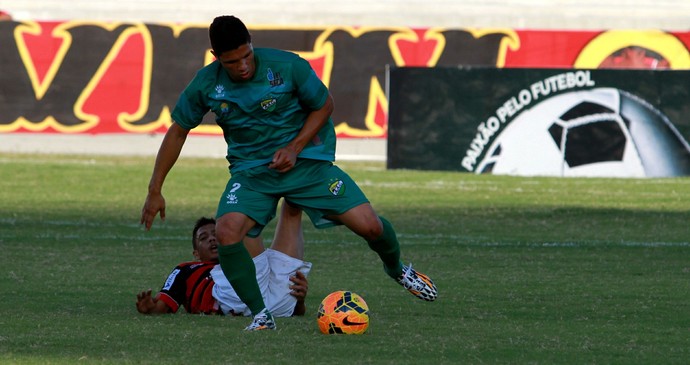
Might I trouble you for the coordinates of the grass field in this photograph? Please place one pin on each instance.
(529, 270)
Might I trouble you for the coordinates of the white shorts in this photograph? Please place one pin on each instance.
(273, 271)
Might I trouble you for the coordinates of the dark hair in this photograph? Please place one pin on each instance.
(200, 223)
(227, 33)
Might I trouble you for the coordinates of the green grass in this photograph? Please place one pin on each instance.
(530, 270)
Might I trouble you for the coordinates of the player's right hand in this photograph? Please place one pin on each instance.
(155, 203)
(146, 303)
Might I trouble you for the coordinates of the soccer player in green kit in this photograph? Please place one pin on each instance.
(275, 114)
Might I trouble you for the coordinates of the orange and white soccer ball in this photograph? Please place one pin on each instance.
(343, 312)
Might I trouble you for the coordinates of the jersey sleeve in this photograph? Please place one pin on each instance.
(311, 91)
(173, 291)
(191, 107)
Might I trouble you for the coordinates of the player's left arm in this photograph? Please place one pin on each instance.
(299, 288)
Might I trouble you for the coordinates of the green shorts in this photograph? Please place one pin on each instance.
(318, 187)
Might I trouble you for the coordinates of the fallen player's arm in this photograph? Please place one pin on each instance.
(147, 304)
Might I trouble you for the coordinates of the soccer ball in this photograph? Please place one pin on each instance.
(343, 312)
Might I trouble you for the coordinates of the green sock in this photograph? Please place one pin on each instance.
(239, 268)
(388, 249)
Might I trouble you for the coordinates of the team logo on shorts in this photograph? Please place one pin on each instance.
(337, 187)
(232, 199)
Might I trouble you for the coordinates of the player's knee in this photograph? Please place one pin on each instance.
(225, 236)
(228, 230)
(373, 230)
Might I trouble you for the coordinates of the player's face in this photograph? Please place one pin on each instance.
(239, 62)
(206, 244)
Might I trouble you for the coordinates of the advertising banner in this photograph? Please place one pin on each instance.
(541, 122)
(99, 77)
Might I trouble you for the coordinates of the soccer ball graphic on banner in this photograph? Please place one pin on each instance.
(604, 132)
(343, 312)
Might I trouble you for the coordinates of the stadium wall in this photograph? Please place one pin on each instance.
(98, 69)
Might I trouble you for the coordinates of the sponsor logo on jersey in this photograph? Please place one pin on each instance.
(337, 187)
(274, 78)
(232, 199)
(269, 104)
(171, 279)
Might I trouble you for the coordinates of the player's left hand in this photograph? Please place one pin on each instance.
(299, 286)
(284, 159)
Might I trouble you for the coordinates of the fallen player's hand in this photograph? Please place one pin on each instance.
(146, 303)
(299, 286)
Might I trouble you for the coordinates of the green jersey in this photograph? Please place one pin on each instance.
(263, 114)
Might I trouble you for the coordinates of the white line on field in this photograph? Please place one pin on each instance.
(414, 238)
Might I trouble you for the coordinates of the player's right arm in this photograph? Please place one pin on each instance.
(167, 156)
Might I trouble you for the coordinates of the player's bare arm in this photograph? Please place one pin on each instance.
(167, 156)
(147, 304)
(285, 158)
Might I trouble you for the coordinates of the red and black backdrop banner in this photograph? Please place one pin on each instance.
(97, 77)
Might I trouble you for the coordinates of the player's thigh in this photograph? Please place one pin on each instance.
(241, 197)
(361, 220)
(323, 189)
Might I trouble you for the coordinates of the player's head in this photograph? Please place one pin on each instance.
(204, 239)
(228, 33)
(231, 44)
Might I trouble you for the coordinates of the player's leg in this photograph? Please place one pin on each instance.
(255, 245)
(364, 221)
(286, 298)
(289, 237)
(378, 233)
(344, 202)
(233, 223)
(382, 239)
(236, 261)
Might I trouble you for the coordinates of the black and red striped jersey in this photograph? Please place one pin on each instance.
(190, 285)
